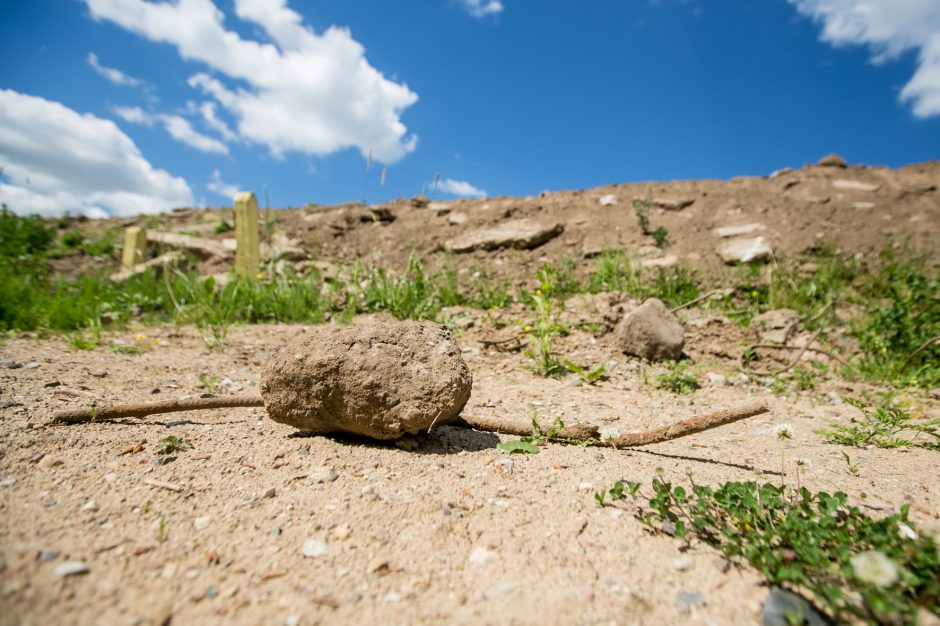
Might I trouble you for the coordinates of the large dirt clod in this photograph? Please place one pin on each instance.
(381, 380)
(651, 331)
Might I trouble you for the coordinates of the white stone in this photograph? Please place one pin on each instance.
(481, 556)
(202, 522)
(314, 548)
(863, 205)
(607, 200)
(735, 231)
(745, 250)
(72, 568)
(854, 185)
(683, 563)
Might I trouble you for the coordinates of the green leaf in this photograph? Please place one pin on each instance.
(517, 446)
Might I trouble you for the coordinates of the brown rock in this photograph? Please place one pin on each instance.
(832, 160)
(381, 380)
(651, 332)
(523, 234)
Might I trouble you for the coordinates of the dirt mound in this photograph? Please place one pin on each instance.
(380, 380)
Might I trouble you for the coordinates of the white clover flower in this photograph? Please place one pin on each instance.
(907, 532)
(875, 568)
(609, 433)
(783, 431)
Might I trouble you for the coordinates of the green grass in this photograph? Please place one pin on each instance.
(856, 567)
(678, 379)
(884, 426)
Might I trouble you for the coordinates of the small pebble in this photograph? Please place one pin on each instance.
(683, 563)
(48, 462)
(31, 366)
(72, 568)
(688, 600)
(323, 475)
(202, 522)
(163, 460)
(342, 532)
(313, 548)
(585, 486)
(378, 564)
(11, 364)
(91, 505)
(782, 606)
(292, 620)
(9, 481)
(481, 556)
(48, 555)
(270, 493)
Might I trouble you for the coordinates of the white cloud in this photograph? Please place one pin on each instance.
(58, 160)
(178, 128)
(207, 110)
(115, 76)
(222, 188)
(889, 28)
(460, 188)
(305, 92)
(482, 8)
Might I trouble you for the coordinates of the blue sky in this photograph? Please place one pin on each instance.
(126, 106)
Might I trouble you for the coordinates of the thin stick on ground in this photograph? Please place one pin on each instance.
(914, 354)
(803, 350)
(120, 411)
(683, 428)
(582, 432)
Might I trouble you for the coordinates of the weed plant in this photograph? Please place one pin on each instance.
(857, 568)
(884, 426)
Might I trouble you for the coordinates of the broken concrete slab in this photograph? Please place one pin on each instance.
(745, 250)
(736, 231)
(521, 234)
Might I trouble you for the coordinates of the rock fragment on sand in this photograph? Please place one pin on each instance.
(736, 231)
(745, 250)
(854, 185)
(72, 568)
(380, 380)
(522, 234)
(832, 160)
(651, 332)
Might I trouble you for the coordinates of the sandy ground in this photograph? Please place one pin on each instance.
(453, 532)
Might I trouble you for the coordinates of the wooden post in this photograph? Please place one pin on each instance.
(247, 252)
(135, 247)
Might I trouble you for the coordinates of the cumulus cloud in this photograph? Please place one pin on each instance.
(207, 110)
(109, 73)
(889, 28)
(220, 187)
(178, 127)
(460, 188)
(306, 92)
(482, 8)
(57, 160)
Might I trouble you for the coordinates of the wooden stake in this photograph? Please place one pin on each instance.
(135, 247)
(247, 253)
